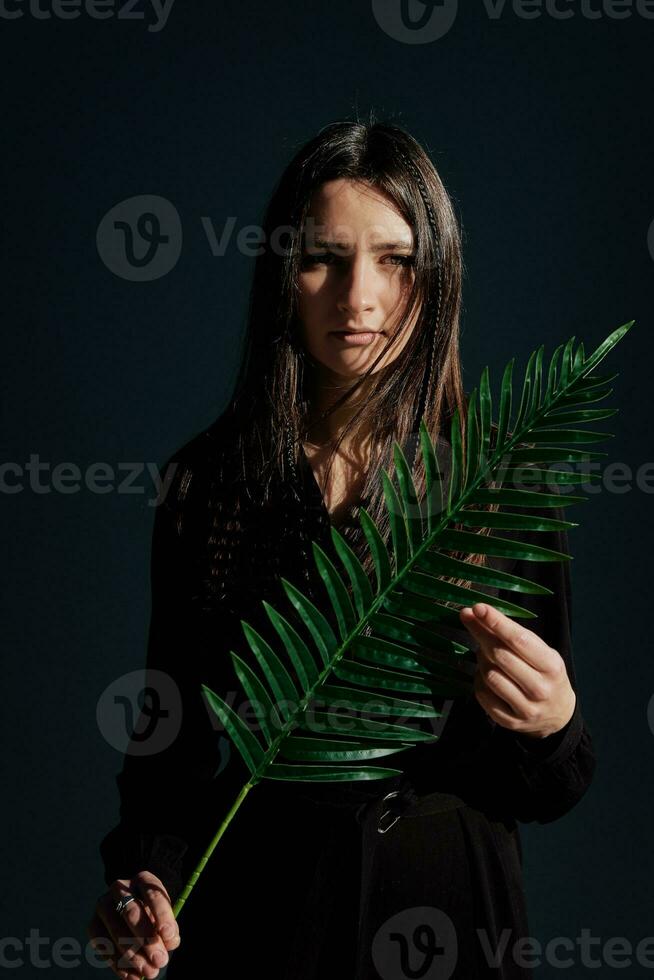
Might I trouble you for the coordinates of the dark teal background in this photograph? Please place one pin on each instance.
(541, 130)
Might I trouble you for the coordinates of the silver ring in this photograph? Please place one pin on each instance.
(123, 902)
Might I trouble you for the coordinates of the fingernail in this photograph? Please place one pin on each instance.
(167, 931)
(480, 610)
(159, 957)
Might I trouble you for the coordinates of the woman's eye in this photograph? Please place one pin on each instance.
(317, 258)
(404, 259)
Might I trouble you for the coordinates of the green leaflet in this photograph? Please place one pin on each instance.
(328, 774)
(339, 725)
(296, 747)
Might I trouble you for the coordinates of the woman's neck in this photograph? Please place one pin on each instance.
(327, 430)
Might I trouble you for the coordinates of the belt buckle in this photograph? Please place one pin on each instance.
(396, 817)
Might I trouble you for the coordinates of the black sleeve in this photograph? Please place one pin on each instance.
(166, 780)
(543, 778)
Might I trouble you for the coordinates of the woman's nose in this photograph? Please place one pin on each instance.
(358, 286)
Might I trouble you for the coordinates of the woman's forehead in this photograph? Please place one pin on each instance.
(350, 214)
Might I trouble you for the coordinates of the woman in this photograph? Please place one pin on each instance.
(352, 339)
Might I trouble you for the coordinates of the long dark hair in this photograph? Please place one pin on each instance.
(270, 400)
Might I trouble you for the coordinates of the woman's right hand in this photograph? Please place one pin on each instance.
(136, 941)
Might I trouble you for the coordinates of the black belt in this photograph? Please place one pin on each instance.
(404, 801)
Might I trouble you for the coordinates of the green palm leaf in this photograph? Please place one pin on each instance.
(380, 648)
(353, 655)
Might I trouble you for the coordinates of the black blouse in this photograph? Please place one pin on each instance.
(303, 877)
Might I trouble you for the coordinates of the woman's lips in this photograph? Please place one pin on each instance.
(354, 339)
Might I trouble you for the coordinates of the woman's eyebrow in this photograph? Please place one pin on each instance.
(401, 245)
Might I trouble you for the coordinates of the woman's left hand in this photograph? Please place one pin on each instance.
(522, 683)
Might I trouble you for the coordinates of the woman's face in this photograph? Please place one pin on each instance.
(357, 269)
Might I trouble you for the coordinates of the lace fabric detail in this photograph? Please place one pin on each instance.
(238, 544)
